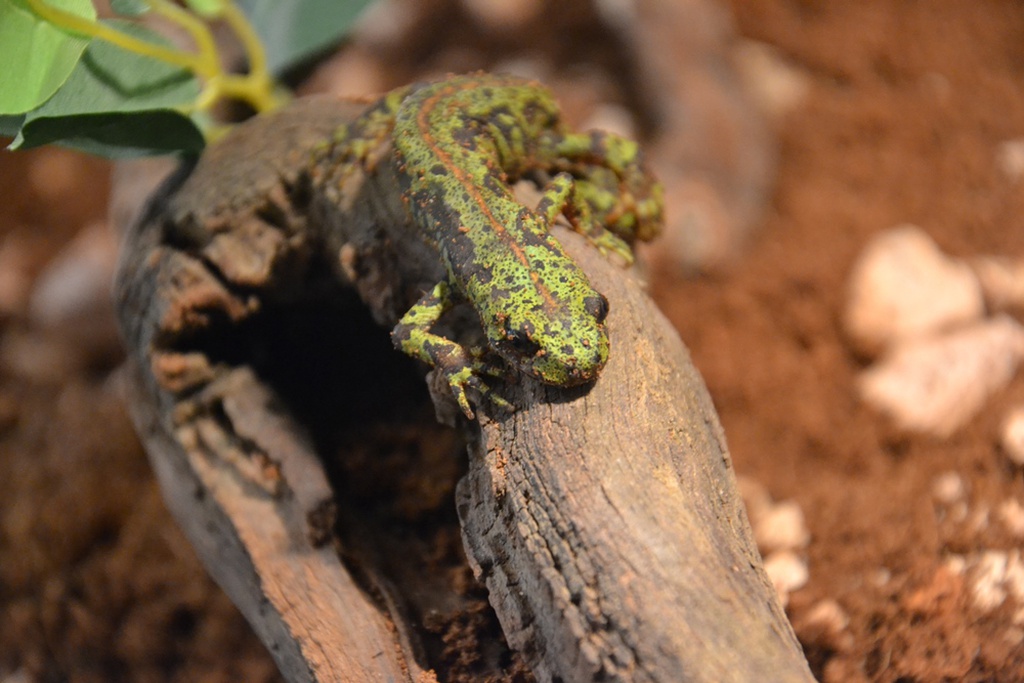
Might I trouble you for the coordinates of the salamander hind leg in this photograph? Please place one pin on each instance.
(563, 196)
(462, 367)
(365, 141)
(612, 179)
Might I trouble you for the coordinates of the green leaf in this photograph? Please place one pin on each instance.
(130, 8)
(10, 124)
(293, 31)
(208, 9)
(117, 104)
(45, 54)
(116, 136)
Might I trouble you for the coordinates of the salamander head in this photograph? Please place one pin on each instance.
(561, 342)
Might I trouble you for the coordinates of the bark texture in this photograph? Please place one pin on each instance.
(607, 524)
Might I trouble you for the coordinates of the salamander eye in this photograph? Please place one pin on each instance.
(596, 306)
(522, 344)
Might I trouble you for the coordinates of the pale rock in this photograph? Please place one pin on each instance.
(935, 385)
(880, 577)
(1010, 158)
(781, 527)
(825, 623)
(828, 615)
(1001, 279)
(776, 84)
(777, 526)
(957, 564)
(995, 576)
(904, 287)
(1012, 435)
(1011, 514)
(948, 488)
(787, 572)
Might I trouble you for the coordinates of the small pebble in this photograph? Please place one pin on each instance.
(1010, 158)
(956, 564)
(781, 527)
(776, 84)
(1012, 436)
(828, 614)
(948, 488)
(787, 572)
(935, 385)
(1011, 513)
(995, 576)
(903, 287)
(880, 577)
(826, 624)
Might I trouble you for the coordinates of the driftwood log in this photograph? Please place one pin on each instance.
(603, 520)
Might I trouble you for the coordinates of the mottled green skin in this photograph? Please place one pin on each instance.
(460, 143)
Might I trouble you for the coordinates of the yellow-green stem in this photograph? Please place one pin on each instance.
(206, 46)
(257, 88)
(93, 29)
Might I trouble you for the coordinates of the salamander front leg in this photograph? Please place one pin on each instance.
(462, 367)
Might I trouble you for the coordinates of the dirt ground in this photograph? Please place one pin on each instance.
(906, 107)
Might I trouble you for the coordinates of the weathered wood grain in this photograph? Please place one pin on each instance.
(607, 524)
(604, 520)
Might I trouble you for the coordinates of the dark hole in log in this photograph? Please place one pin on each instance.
(393, 468)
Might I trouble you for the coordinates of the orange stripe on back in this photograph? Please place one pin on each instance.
(423, 124)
